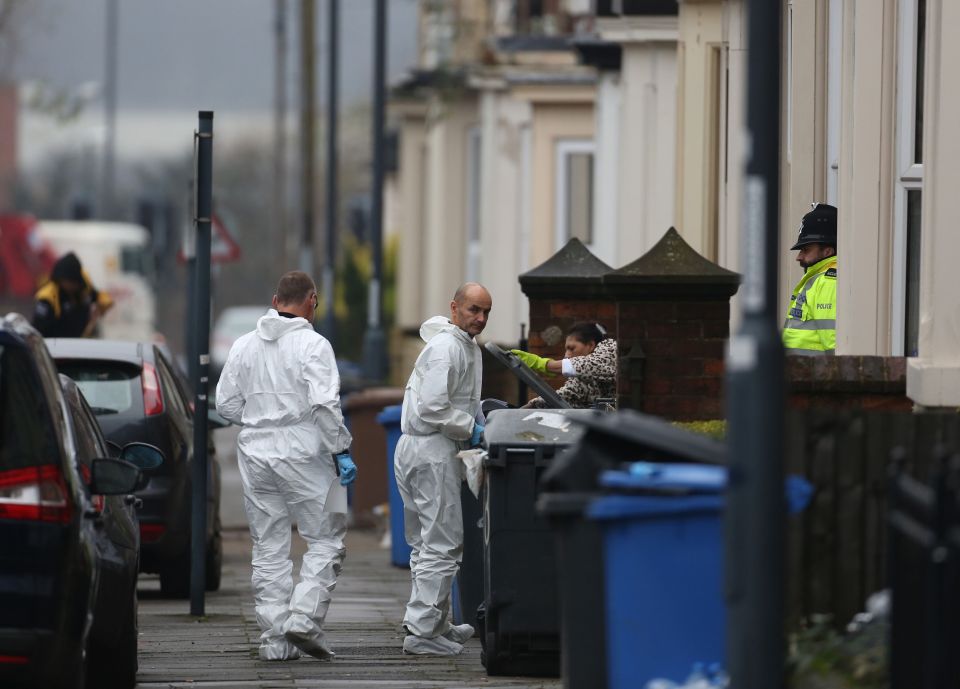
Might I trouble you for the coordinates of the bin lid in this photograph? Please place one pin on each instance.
(390, 414)
(667, 478)
(632, 434)
(621, 507)
(544, 428)
(613, 439)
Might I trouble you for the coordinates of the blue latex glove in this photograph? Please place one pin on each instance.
(348, 470)
(476, 435)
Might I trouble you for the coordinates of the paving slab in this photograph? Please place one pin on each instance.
(219, 650)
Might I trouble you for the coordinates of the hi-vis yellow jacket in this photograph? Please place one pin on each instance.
(50, 293)
(811, 325)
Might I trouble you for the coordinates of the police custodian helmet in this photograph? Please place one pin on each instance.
(819, 226)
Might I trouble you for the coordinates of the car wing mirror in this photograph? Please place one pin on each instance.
(142, 455)
(113, 477)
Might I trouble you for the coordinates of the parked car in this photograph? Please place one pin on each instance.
(137, 395)
(112, 650)
(68, 561)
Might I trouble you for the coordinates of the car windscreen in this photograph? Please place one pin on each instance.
(110, 387)
(25, 435)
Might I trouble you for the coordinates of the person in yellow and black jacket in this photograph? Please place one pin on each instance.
(811, 325)
(68, 305)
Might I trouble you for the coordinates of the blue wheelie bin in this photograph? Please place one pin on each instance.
(570, 486)
(389, 418)
(662, 571)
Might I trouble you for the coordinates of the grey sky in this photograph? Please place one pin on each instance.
(198, 54)
(180, 56)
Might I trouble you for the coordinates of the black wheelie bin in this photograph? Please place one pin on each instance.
(470, 574)
(519, 624)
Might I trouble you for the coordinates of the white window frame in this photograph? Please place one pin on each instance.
(474, 245)
(909, 174)
(563, 149)
(834, 79)
(788, 51)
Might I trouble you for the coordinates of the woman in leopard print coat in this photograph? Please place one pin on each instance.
(590, 366)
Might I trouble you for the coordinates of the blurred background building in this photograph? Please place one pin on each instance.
(517, 125)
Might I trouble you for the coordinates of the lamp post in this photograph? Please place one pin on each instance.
(307, 122)
(203, 219)
(374, 340)
(755, 515)
(329, 268)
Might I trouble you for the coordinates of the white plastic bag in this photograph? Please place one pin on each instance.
(473, 465)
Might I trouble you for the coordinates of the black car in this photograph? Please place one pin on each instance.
(138, 395)
(68, 533)
(112, 650)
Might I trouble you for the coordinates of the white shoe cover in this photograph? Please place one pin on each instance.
(313, 645)
(437, 646)
(278, 649)
(459, 633)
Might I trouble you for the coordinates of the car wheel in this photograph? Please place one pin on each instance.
(116, 668)
(175, 577)
(214, 563)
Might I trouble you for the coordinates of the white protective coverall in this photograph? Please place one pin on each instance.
(281, 384)
(440, 403)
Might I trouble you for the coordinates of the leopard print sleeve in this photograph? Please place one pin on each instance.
(598, 365)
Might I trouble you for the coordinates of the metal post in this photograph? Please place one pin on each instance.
(374, 340)
(307, 122)
(284, 245)
(110, 111)
(204, 209)
(330, 266)
(190, 255)
(755, 516)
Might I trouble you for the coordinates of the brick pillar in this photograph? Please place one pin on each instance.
(673, 320)
(563, 290)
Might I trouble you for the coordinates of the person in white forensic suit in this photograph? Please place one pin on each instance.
(440, 417)
(280, 383)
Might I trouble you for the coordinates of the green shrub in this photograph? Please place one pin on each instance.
(822, 658)
(715, 428)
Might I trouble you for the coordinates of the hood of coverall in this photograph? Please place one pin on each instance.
(272, 326)
(438, 324)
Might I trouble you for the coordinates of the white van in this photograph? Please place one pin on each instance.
(117, 258)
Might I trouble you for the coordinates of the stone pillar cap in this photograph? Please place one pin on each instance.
(672, 269)
(573, 272)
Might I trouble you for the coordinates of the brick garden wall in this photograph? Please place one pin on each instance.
(848, 383)
(672, 357)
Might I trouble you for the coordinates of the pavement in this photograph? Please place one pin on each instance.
(219, 649)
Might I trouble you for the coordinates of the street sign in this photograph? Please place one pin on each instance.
(223, 247)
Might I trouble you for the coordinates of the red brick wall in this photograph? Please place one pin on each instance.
(683, 344)
(848, 382)
(551, 318)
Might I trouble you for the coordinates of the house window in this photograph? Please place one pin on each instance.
(474, 249)
(574, 191)
(909, 192)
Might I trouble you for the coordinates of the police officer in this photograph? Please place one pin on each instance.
(69, 305)
(811, 325)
